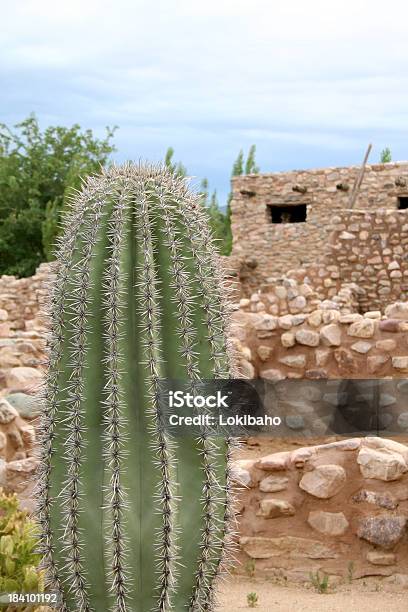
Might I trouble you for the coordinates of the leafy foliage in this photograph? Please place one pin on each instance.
(238, 167)
(18, 560)
(386, 155)
(250, 166)
(218, 220)
(238, 170)
(176, 167)
(39, 170)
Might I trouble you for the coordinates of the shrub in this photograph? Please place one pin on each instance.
(19, 570)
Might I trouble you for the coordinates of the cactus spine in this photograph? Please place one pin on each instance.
(132, 520)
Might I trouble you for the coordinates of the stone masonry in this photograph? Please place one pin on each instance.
(283, 220)
(339, 508)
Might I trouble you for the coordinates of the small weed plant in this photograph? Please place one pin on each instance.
(252, 600)
(320, 583)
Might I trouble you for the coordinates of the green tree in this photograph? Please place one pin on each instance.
(238, 167)
(218, 220)
(38, 172)
(176, 167)
(250, 166)
(386, 156)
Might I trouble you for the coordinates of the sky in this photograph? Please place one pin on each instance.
(310, 82)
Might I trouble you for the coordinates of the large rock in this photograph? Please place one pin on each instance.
(383, 530)
(383, 500)
(275, 508)
(389, 325)
(27, 406)
(272, 374)
(388, 345)
(399, 310)
(275, 461)
(324, 481)
(400, 363)
(328, 523)
(7, 412)
(381, 464)
(273, 484)
(392, 445)
(379, 557)
(307, 337)
(364, 328)
(267, 323)
(288, 339)
(23, 378)
(286, 546)
(331, 335)
(241, 472)
(19, 473)
(361, 347)
(294, 361)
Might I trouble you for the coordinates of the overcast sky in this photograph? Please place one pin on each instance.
(310, 82)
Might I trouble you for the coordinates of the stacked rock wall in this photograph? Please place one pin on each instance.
(370, 249)
(22, 341)
(365, 251)
(323, 344)
(340, 509)
(266, 249)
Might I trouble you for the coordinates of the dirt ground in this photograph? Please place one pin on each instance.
(274, 597)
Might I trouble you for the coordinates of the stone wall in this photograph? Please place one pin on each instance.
(21, 300)
(266, 249)
(323, 344)
(370, 249)
(365, 252)
(340, 509)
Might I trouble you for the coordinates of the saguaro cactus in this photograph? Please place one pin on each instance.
(130, 519)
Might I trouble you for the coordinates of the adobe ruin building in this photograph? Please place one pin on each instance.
(282, 221)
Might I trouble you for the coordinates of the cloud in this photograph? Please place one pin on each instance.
(309, 82)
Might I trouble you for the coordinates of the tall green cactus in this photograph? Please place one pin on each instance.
(132, 520)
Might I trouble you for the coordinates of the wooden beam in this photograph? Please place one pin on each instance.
(359, 178)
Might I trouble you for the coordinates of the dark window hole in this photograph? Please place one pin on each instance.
(295, 213)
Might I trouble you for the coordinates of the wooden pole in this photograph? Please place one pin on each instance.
(359, 178)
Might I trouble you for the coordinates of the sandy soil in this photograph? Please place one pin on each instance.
(273, 597)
